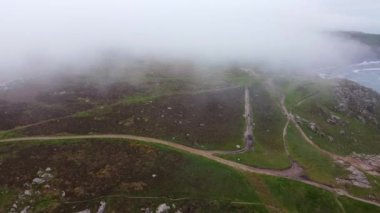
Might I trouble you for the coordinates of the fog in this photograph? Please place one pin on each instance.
(44, 36)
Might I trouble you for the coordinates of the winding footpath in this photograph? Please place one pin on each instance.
(347, 159)
(202, 153)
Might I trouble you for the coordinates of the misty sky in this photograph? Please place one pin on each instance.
(274, 31)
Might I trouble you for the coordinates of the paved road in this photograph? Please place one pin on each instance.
(203, 153)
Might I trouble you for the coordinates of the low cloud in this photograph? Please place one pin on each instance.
(39, 35)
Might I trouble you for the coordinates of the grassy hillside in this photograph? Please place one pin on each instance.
(341, 131)
(88, 169)
(129, 176)
(269, 121)
(317, 165)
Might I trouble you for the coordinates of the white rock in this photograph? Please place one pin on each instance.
(25, 210)
(163, 208)
(102, 207)
(85, 211)
(28, 192)
(47, 176)
(38, 181)
(154, 175)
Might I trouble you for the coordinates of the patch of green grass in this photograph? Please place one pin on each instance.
(357, 137)
(238, 77)
(353, 206)
(140, 99)
(210, 186)
(96, 112)
(82, 114)
(10, 134)
(200, 178)
(318, 166)
(367, 193)
(261, 157)
(7, 196)
(44, 204)
(269, 150)
(298, 197)
(203, 178)
(233, 140)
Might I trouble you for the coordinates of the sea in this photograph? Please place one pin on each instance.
(366, 73)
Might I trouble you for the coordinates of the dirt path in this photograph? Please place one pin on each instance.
(284, 132)
(307, 97)
(300, 130)
(299, 171)
(248, 133)
(73, 114)
(207, 154)
(347, 159)
(203, 153)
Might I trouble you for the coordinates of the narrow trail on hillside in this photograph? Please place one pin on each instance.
(71, 115)
(347, 159)
(203, 153)
(300, 171)
(248, 133)
(306, 98)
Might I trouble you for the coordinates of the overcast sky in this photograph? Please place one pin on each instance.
(269, 30)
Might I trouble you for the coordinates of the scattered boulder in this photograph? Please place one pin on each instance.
(356, 177)
(369, 163)
(102, 207)
(357, 101)
(163, 208)
(85, 211)
(38, 181)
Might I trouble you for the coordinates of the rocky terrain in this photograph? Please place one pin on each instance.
(358, 101)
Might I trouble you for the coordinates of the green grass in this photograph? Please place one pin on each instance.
(233, 140)
(367, 193)
(44, 204)
(261, 157)
(285, 195)
(211, 186)
(7, 196)
(318, 166)
(199, 179)
(358, 137)
(353, 206)
(140, 99)
(239, 78)
(298, 197)
(10, 134)
(269, 150)
(82, 114)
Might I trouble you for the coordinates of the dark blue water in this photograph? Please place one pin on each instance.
(366, 74)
